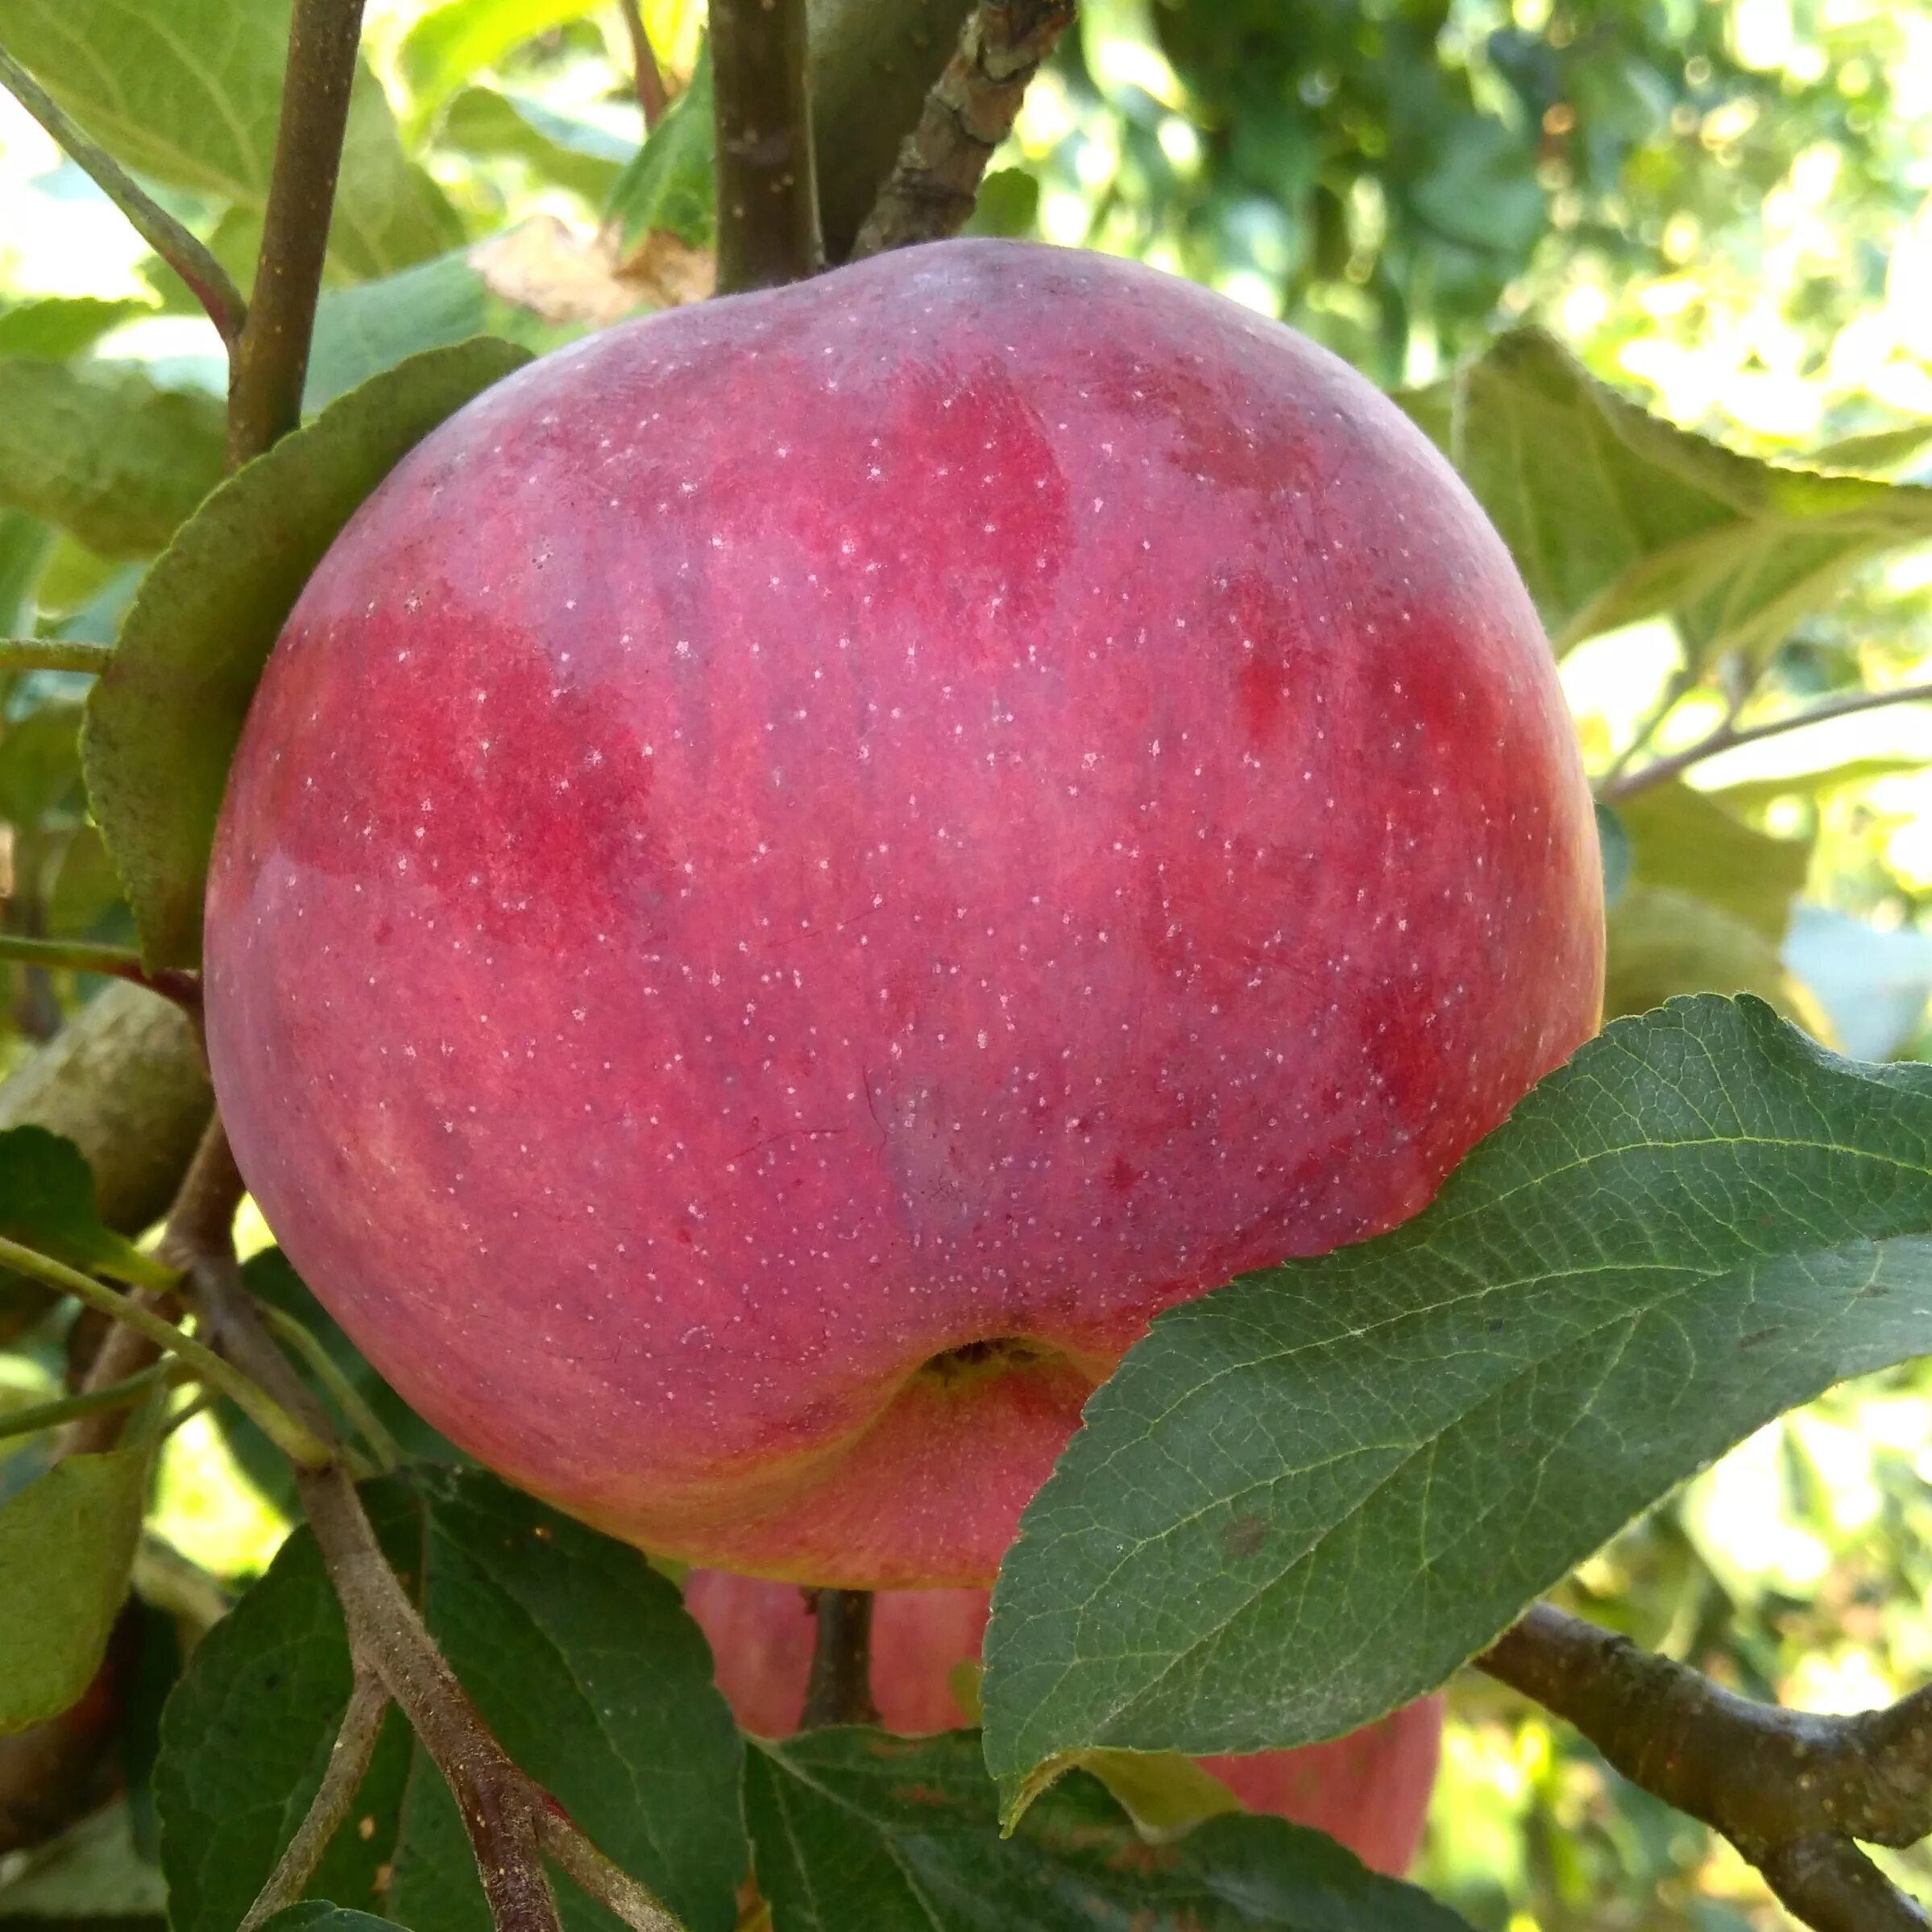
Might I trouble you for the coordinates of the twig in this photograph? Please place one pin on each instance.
(53, 654)
(648, 77)
(110, 962)
(839, 1690)
(768, 191)
(271, 358)
(1791, 1790)
(207, 280)
(1616, 787)
(300, 1444)
(970, 111)
(348, 1760)
(39, 1415)
(512, 1820)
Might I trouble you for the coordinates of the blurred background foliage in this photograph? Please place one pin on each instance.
(1721, 209)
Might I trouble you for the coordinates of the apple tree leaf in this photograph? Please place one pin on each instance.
(1685, 840)
(1614, 515)
(1661, 942)
(671, 186)
(369, 327)
(449, 44)
(855, 1827)
(47, 1202)
(581, 1658)
(189, 93)
(1311, 1495)
(163, 721)
(54, 328)
(67, 1545)
(555, 147)
(105, 452)
(323, 1915)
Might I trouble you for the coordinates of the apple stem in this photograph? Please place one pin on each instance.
(839, 1688)
(934, 183)
(208, 281)
(1791, 1790)
(768, 189)
(269, 363)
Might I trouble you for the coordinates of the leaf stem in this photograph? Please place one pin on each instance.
(206, 278)
(53, 654)
(348, 1760)
(971, 109)
(768, 191)
(122, 1394)
(270, 360)
(111, 962)
(839, 1690)
(300, 1444)
(348, 1397)
(1791, 1790)
(1728, 737)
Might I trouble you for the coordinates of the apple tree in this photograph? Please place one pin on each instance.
(1448, 1286)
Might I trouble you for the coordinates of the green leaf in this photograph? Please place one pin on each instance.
(1754, 794)
(1309, 1496)
(105, 453)
(1613, 515)
(67, 1545)
(1660, 943)
(271, 1279)
(450, 43)
(39, 764)
(163, 721)
(572, 154)
(189, 94)
(1685, 841)
(47, 1202)
(320, 1915)
(672, 185)
(25, 544)
(580, 1657)
(362, 331)
(1008, 204)
(854, 1828)
(1613, 842)
(53, 328)
(1877, 451)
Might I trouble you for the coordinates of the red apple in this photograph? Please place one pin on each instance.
(808, 864)
(1370, 1790)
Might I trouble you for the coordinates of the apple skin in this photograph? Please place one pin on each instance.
(806, 865)
(1370, 1790)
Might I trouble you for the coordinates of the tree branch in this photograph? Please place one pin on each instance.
(768, 193)
(206, 278)
(510, 1820)
(1791, 1790)
(348, 1760)
(970, 111)
(647, 77)
(53, 654)
(839, 1690)
(1617, 785)
(271, 358)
